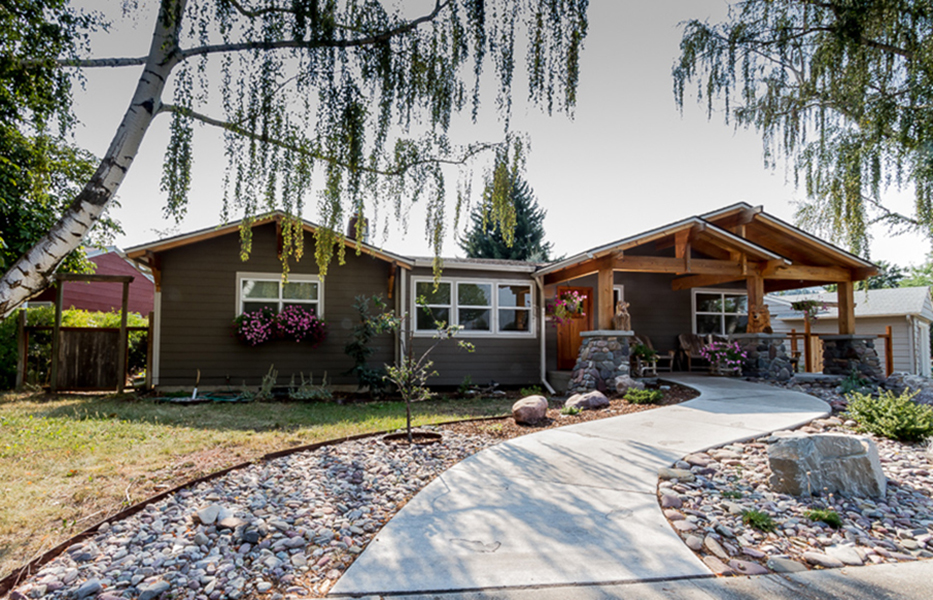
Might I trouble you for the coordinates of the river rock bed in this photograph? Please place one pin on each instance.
(705, 507)
(285, 528)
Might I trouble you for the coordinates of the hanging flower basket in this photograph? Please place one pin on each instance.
(293, 323)
(725, 358)
(568, 305)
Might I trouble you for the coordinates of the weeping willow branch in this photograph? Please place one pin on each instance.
(302, 148)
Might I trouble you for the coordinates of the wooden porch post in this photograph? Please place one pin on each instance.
(845, 294)
(604, 292)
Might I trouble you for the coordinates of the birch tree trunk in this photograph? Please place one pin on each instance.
(32, 272)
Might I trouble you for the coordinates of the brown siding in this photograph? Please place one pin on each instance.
(199, 304)
(506, 360)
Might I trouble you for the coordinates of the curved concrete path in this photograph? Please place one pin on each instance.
(575, 505)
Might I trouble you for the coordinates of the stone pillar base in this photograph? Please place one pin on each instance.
(843, 354)
(766, 355)
(604, 355)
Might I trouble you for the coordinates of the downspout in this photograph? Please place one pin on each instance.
(911, 343)
(543, 322)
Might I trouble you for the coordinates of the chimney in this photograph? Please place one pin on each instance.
(351, 228)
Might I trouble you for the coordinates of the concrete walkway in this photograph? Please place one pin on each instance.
(569, 506)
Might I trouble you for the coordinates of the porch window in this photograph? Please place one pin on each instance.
(432, 304)
(256, 291)
(514, 307)
(719, 312)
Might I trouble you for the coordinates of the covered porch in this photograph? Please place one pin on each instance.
(704, 275)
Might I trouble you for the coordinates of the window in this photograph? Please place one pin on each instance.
(474, 306)
(479, 307)
(719, 312)
(256, 291)
(514, 307)
(435, 304)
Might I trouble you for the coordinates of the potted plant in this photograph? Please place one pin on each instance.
(809, 308)
(293, 323)
(725, 358)
(255, 327)
(567, 305)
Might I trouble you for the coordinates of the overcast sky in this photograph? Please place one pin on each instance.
(627, 162)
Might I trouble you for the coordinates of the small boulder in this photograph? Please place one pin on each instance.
(782, 564)
(212, 513)
(823, 560)
(88, 588)
(804, 464)
(744, 567)
(624, 383)
(530, 409)
(587, 401)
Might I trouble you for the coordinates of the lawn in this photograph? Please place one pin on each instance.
(67, 462)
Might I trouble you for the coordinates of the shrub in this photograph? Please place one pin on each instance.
(853, 383)
(531, 391)
(891, 416)
(636, 396)
(830, 517)
(570, 410)
(306, 390)
(761, 521)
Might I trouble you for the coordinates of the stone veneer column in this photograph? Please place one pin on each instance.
(844, 353)
(766, 355)
(604, 355)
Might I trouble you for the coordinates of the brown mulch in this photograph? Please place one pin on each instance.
(507, 428)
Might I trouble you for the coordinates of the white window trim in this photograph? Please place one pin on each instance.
(693, 303)
(491, 307)
(241, 275)
(621, 290)
(494, 308)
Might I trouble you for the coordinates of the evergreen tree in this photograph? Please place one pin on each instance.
(486, 240)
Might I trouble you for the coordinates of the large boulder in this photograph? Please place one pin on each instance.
(530, 409)
(624, 383)
(589, 400)
(805, 465)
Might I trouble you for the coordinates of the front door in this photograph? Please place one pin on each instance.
(568, 333)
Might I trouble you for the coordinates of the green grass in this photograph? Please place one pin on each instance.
(761, 521)
(830, 517)
(67, 462)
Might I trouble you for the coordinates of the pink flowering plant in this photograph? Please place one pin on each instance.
(300, 325)
(255, 327)
(566, 306)
(726, 357)
(293, 323)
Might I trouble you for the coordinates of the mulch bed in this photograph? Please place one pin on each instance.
(506, 429)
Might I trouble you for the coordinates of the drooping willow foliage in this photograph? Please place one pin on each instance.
(841, 88)
(349, 102)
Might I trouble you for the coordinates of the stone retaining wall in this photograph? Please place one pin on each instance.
(603, 356)
(766, 355)
(844, 353)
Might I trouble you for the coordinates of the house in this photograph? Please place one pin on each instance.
(703, 274)
(908, 311)
(107, 297)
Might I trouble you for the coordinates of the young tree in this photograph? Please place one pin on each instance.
(516, 232)
(308, 88)
(843, 89)
(920, 275)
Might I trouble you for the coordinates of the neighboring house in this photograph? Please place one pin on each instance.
(908, 311)
(695, 275)
(107, 297)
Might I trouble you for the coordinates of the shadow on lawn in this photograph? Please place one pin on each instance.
(261, 416)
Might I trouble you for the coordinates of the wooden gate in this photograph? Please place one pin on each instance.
(89, 359)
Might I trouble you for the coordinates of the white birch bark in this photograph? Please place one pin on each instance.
(32, 272)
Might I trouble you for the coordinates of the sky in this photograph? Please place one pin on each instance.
(628, 161)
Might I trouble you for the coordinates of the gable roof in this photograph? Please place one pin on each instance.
(893, 302)
(207, 233)
(722, 236)
(784, 238)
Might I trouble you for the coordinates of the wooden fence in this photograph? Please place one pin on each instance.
(812, 350)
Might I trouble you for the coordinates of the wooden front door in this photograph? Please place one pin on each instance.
(568, 333)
